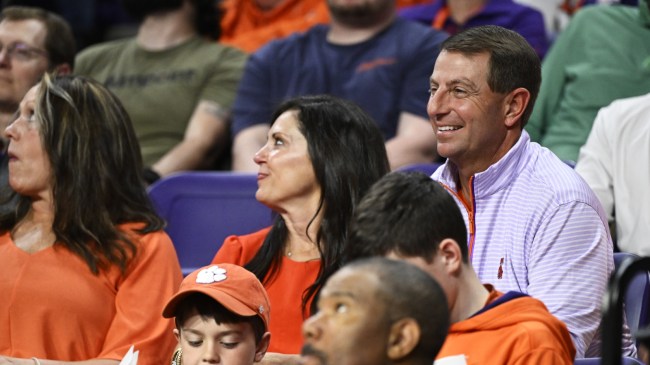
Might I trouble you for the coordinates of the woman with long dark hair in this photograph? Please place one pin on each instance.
(322, 154)
(85, 265)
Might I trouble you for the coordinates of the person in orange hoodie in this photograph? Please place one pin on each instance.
(408, 216)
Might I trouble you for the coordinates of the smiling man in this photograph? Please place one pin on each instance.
(377, 311)
(534, 225)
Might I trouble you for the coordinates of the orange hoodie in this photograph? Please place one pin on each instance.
(513, 328)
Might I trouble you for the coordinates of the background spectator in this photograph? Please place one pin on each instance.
(614, 162)
(250, 24)
(452, 16)
(176, 85)
(600, 57)
(365, 55)
(92, 21)
(32, 42)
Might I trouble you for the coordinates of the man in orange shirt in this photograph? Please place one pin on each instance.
(408, 216)
(250, 24)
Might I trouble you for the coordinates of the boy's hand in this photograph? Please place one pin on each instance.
(274, 358)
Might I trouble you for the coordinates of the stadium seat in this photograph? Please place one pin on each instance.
(203, 208)
(637, 295)
(621, 290)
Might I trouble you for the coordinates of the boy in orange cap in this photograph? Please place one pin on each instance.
(222, 315)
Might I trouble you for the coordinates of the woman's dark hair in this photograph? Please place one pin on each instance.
(96, 179)
(348, 155)
(208, 308)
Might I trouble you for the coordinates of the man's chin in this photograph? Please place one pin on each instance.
(310, 360)
(311, 356)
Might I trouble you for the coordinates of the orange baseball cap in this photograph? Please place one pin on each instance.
(234, 287)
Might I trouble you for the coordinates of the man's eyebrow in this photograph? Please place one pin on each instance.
(342, 294)
(462, 80)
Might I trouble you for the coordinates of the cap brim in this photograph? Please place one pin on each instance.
(231, 303)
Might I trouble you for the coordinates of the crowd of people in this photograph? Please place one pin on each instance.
(502, 255)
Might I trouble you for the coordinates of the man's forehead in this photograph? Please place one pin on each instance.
(457, 57)
(31, 31)
(456, 67)
(354, 283)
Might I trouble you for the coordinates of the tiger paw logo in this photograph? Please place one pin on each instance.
(500, 272)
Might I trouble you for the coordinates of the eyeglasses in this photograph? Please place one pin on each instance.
(22, 52)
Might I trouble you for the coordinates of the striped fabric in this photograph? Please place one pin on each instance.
(539, 229)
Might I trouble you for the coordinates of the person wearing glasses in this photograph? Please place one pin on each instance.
(32, 41)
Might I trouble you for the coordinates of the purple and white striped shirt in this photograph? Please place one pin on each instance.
(539, 229)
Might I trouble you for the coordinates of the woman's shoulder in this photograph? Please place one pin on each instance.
(251, 239)
(154, 242)
(241, 249)
(153, 250)
(135, 230)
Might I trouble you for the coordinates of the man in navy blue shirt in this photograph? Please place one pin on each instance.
(366, 55)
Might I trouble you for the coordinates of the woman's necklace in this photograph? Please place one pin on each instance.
(309, 252)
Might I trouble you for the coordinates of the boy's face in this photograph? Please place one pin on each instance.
(204, 341)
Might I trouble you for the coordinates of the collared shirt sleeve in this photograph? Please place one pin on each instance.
(569, 263)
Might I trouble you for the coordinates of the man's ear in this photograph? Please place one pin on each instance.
(515, 104)
(262, 346)
(404, 336)
(62, 69)
(449, 251)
